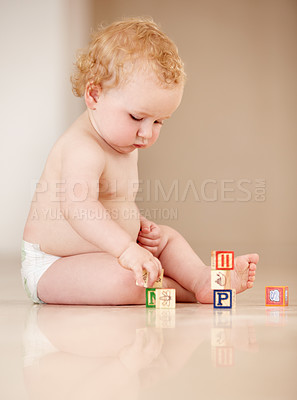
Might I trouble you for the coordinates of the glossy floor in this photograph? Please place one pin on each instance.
(192, 352)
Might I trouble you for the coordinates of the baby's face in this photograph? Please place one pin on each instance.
(131, 116)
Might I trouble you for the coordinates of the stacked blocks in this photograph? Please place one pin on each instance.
(222, 262)
(276, 295)
(158, 297)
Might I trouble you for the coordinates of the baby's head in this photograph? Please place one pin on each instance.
(117, 50)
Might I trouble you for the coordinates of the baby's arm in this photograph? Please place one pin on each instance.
(82, 165)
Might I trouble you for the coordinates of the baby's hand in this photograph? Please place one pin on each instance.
(136, 259)
(149, 236)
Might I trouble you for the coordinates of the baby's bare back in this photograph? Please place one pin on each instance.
(60, 191)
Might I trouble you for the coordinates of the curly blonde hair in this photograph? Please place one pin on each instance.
(130, 40)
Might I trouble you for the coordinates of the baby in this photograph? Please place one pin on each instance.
(85, 241)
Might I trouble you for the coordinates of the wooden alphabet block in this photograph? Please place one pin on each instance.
(222, 260)
(220, 279)
(150, 297)
(276, 295)
(165, 298)
(233, 298)
(157, 284)
(160, 298)
(223, 298)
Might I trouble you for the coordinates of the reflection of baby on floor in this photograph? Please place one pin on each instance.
(86, 352)
(101, 351)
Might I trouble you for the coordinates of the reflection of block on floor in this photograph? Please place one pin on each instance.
(165, 318)
(222, 318)
(222, 260)
(160, 298)
(276, 295)
(221, 337)
(223, 298)
(160, 318)
(276, 316)
(220, 280)
(222, 356)
(151, 317)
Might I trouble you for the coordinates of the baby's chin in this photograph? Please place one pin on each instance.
(124, 149)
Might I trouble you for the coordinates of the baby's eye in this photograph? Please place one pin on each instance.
(159, 122)
(135, 118)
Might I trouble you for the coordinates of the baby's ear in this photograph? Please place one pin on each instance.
(92, 94)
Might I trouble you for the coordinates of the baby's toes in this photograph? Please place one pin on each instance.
(253, 258)
(251, 279)
(252, 267)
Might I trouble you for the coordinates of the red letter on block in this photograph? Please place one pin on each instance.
(224, 260)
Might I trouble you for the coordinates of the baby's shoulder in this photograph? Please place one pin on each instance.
(79, 149)
(80, 140)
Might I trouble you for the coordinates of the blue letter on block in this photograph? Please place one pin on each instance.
(222, 298)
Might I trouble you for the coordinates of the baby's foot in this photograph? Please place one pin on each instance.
(243, 276)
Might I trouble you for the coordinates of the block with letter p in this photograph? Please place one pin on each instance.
(224, 298)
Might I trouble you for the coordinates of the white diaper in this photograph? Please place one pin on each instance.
(34, 264)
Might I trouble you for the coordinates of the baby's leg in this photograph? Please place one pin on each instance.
(95, 278)
(183, 265)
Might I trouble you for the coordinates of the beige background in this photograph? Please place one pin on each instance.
(236, 125)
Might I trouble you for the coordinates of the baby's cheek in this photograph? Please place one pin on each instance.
(125, 137)
(154, 137)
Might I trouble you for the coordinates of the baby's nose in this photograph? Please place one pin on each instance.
(146, 131)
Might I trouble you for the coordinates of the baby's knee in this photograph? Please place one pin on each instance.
(127, 292)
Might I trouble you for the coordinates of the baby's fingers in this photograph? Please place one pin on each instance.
(153, 272)
(154, 234)
(148, 241)
(138, 276)
(159, 265)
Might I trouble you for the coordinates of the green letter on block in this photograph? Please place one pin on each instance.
(151, 298)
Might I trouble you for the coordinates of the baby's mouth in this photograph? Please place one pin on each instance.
(139, 146)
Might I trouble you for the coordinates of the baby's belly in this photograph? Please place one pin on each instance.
(126, 214)
(55, 235)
